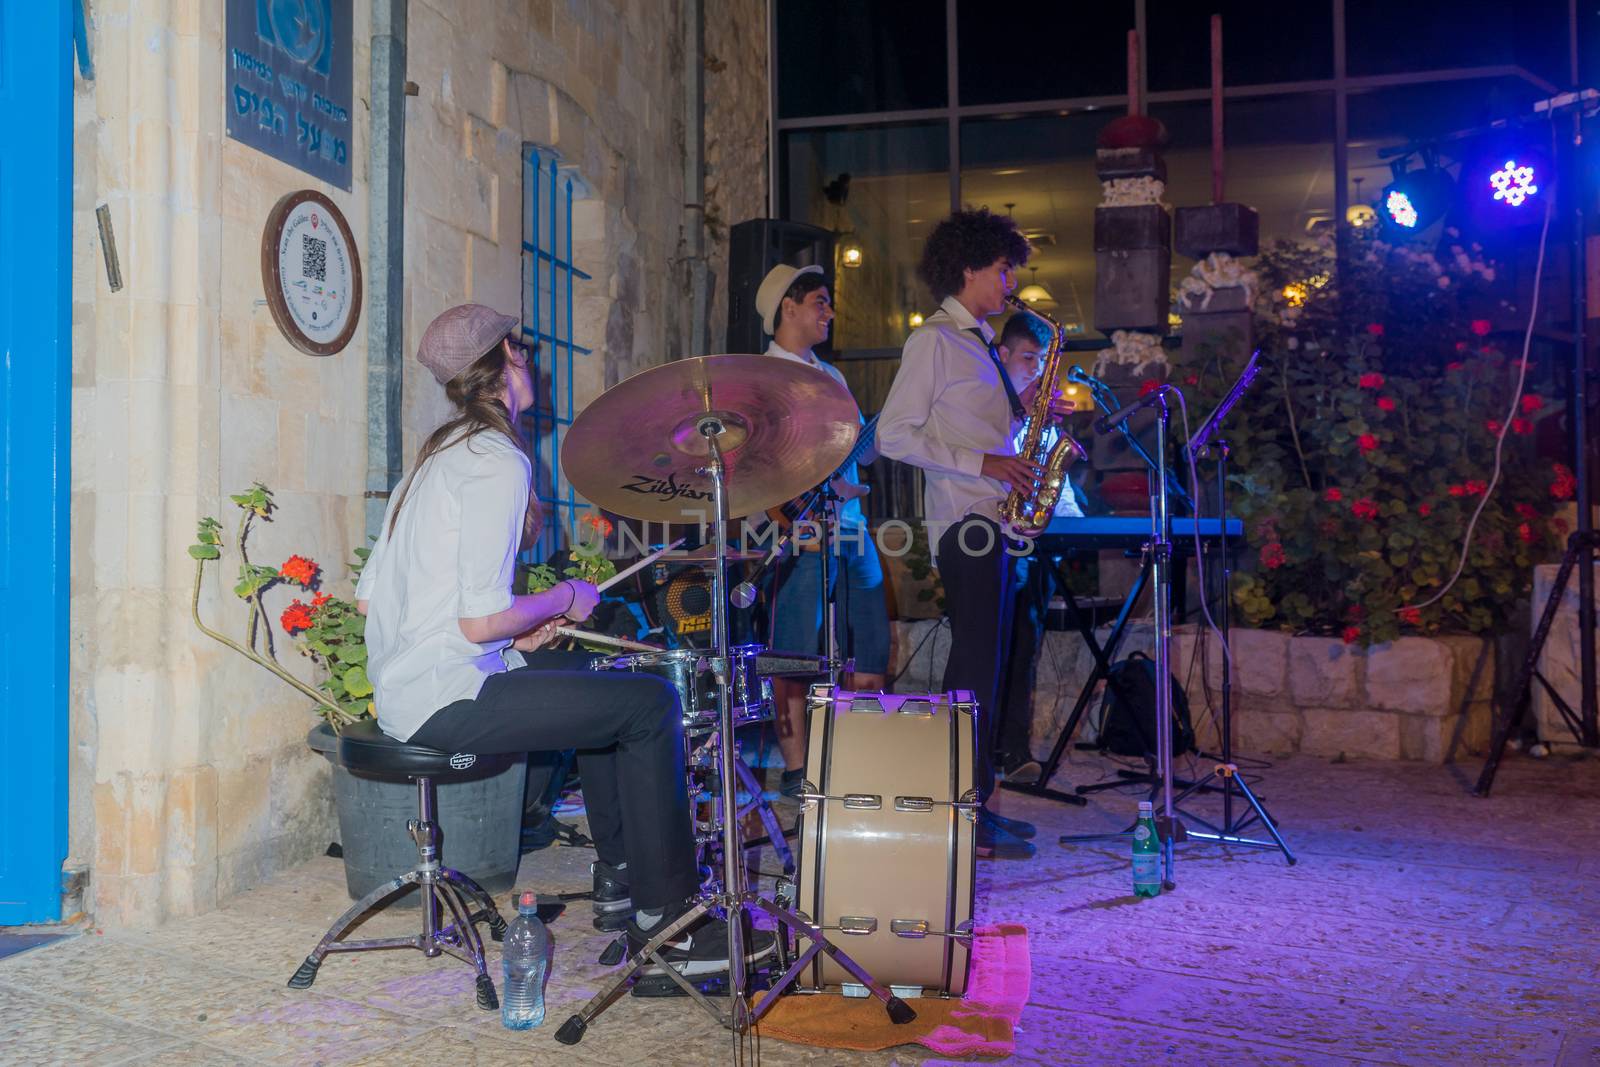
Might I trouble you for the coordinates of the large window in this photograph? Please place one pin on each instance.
(1009, 118)
(548, 278)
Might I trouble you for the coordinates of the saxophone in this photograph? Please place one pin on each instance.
(1027, 510)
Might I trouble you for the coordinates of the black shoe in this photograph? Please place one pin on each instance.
(1026, 771)
(793, 783)
(700, 950)
(994, 843)
(1014, 827)
(612, 905)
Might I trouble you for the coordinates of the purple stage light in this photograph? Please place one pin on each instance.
(1401, 211)
(1513, 184)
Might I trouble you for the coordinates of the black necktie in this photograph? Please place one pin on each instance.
(1017, 410)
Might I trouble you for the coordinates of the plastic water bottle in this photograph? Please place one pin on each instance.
(1146, 853)
(524, 953)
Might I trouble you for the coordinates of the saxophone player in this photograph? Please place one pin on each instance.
(953, 411)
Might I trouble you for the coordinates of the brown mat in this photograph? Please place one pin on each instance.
(982, 1024)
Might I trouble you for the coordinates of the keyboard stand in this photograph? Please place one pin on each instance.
(1103, 655)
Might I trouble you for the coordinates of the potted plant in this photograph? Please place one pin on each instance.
(480, 817)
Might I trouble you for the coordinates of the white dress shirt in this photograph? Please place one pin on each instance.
(850, 510)
(452, 556)
(946, 410)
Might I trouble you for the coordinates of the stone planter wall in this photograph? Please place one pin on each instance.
(1416, 698)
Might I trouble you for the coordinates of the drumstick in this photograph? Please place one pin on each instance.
(608, 639)
(651, 558)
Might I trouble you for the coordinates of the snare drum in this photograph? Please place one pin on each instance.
(689, 671)
(886, 838)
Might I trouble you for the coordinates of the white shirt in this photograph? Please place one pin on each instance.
(849, 511)
(452, 556)
(946, 410)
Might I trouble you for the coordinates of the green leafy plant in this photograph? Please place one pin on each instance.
(1367, 443)
(327, 629)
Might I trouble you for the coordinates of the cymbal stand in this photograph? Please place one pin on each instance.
(736, 899)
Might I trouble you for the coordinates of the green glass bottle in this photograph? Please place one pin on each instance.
(1146, 853)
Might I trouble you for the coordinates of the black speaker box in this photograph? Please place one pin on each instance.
(755, 247)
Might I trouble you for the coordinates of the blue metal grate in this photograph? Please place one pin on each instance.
(548, 276)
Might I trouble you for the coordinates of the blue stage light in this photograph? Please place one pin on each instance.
(1514, 183)
(1400, 210)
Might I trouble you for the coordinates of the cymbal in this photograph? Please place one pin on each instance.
(708, 554)
(638, 449)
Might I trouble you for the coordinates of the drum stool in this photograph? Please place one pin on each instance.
(365, 749)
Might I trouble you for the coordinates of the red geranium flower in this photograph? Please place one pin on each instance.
(1480, 327)
(1454, 365)
(1192, 379)
(1494, 426)
(1424, 510)
(1565, 484)
(1365, 508)
(1333, 495)
(1531, 403)
(1411, 616)
(599, 523)
(1148, 386)
(1527, 511)
(1351, 634)
(300, 570)
(1475, 487)
(1458, 490)
(1521, 425)
(1525, 532)
(296, 617)
(319, 600)
(1273, 556)
(1386, 403)
(1367, 443)
(1370, 380)
(1375, 329)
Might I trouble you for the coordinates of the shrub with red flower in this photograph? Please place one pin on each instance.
(1399, 432)
(1148, 386)
(1521, 426)
(328, 630)
(1525, 532)
(1351, 634)
(1411, 616)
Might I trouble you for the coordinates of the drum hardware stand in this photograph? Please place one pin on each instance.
(1159, 553)
(736, 899)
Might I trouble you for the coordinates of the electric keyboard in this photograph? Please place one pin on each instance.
(1126, 532)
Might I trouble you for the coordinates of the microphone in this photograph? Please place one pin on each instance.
(1112, 421)
(744, 594)
(1077, 374)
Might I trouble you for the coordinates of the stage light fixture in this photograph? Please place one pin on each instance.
(1514, 183)
(1416, 199)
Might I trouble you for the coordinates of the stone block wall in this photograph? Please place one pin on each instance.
(189, 777)
(1416, 698)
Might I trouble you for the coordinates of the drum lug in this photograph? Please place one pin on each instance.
(863, 801)
(909, 927)
(913, 803)
(968, 805)
(857, 924)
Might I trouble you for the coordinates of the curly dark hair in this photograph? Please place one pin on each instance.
(969, 240)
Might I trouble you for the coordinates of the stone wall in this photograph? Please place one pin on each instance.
(737, 106)
(1416, 698)
(190, 778)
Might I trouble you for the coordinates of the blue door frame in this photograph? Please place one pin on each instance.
(35, 469)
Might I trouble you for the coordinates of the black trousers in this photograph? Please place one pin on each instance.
(628, 730)
(978, 576)
(1030, 601)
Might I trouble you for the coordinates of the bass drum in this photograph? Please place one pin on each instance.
(886, 839)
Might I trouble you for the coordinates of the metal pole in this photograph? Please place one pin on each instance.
(1226, 576)
(1161, 556)
(386, 228)
(1580, 432)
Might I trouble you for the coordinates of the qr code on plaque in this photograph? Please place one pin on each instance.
(313, 258)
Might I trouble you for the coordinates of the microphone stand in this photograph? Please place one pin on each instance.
(1107, 399)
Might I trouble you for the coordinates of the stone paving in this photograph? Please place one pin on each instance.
(1420, 926)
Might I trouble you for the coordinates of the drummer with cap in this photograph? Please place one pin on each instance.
(796, 311)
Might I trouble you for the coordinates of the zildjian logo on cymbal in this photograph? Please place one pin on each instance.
(667, 489)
